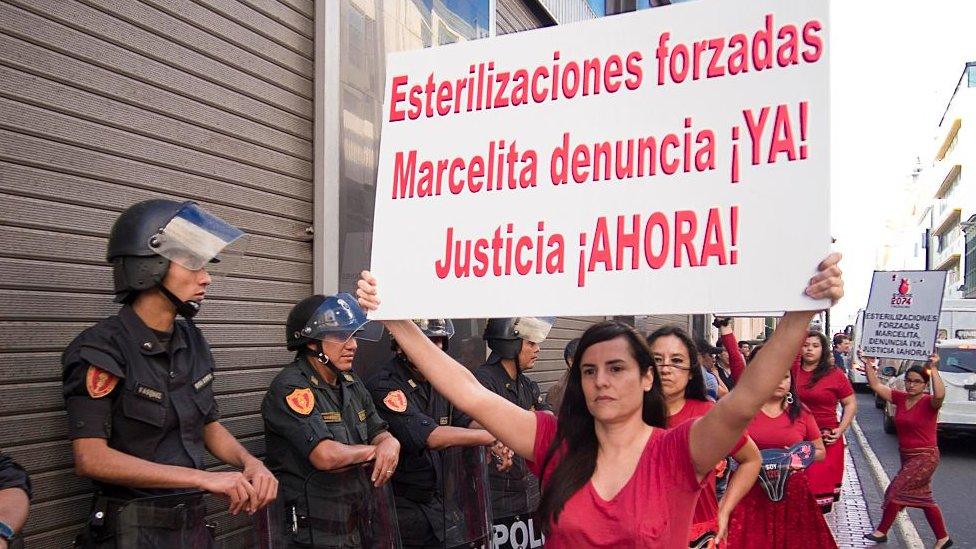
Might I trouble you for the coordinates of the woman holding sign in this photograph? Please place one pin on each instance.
(916, 418)
(780, 510)
(612, 476)
(822, 386)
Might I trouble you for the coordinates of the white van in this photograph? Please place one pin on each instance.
(957, 319)
(856, 372)
(957, 366)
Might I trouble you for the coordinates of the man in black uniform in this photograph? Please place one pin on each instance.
(15, 493)
(424, 423)
(320, 425)
(139, 388)
(514, 344)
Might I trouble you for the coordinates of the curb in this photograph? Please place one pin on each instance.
(906, 528)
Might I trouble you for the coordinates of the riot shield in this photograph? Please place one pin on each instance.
(176, 521)
(514, 499)
(345, 511)
(467, 503)
(267, 530)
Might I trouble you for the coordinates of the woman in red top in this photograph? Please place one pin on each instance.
(822, 386)
(611, 475)
(676, 361)
(916, 418)
(796, 520)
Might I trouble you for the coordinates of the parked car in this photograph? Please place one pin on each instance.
(957, 366)
(855, 373)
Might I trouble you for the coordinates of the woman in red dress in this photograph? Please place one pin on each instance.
(684, 395)
(916, 418)
(611, 474)
(821, 387)
(795, 521)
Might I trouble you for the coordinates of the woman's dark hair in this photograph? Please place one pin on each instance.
(696, 380)
(794, 408)
(920, 370)
(823, 366)
(575, 438)
(754, 353)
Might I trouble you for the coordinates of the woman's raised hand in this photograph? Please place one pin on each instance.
(828, 282)
(366, 292)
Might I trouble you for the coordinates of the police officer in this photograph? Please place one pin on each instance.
(139, 384)
(318, 416)
(15, 493)
(424, 423)
(514, 344)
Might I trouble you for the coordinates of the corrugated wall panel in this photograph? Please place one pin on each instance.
(104, 103)
(520, 15)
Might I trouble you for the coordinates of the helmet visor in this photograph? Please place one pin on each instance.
(435, 327)
(339, 318)
(534, 328)
(194, 237)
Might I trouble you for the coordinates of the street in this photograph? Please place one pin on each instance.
(953, 484)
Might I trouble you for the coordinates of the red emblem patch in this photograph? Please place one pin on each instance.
(302, 401)
(99, 382)
(396, 401)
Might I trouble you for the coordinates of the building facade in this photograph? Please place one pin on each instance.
(949, 198)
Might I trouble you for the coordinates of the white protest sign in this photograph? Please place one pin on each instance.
(672, 160)
(902, 315)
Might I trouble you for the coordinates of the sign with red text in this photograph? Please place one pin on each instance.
(902, 316)
(672, 160)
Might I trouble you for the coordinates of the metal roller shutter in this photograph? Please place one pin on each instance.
(520, 15)
(107, 102)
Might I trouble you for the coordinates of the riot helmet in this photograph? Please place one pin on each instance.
(504, 335)
(335, 317)
(148, 235)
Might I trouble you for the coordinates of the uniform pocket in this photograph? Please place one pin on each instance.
(144, 410)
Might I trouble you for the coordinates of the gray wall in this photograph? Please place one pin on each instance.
(107, 102)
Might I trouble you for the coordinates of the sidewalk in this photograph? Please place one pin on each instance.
(849, 520)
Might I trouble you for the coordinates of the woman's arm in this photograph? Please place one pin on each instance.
(512, 425)
(713, 435)
(849, 410)
(737, 362)
(871, 371)
(819, 450)
(750, 460)
(938, 386)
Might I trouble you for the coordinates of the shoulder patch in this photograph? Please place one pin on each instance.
(301, 401)
(396, 401)
(99, 382)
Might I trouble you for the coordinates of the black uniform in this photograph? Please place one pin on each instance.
(13, 475)
(158, 396)
(516, 491)
(418, 480)
(345, 414)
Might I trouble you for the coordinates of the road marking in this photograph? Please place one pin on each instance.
(904, 522)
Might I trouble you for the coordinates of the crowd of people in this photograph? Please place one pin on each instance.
(645, 441)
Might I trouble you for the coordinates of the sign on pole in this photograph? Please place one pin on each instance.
(672, 160)
(902, 315)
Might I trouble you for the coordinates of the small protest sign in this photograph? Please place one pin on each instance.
(902, 315)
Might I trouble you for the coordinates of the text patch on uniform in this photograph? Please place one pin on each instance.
(362, 415)
(203, 381)
(99, 382)
(301, 401)
(149, 393)
(331, 417)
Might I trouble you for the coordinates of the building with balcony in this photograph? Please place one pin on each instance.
(949, 199)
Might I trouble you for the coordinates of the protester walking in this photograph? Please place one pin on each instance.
(676, 362)
(611, 475)
(758, 522)
(822, 387)
(916, 418)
